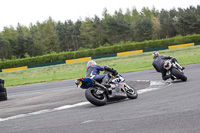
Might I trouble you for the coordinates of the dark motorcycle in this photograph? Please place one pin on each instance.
(174, 69)
(3, 91)
(98, 95)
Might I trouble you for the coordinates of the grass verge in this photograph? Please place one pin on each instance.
(129, 63)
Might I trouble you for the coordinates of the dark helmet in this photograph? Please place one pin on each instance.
(90, 63)
(155, 54)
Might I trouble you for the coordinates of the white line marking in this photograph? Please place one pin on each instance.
(71, 106)
(152, 83)
(146, 90)
(40, 112)
(13, 117)
(153, 86)
(88, 121)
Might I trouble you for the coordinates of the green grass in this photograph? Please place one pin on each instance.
(122, 64)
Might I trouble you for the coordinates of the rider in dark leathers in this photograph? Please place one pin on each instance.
(158, 64)
(93, 71)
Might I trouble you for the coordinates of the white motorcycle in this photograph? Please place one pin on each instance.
(97, 94)
(175, 70)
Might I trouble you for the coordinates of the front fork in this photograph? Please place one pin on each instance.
(126, 87)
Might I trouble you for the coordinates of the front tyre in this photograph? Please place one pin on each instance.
(131, 92)
(178, 74)
(94, 98)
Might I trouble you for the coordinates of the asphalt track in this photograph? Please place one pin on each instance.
(172, 109)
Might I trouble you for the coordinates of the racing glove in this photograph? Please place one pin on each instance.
(114, 72)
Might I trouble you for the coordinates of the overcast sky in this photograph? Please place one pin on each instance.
(25, 12)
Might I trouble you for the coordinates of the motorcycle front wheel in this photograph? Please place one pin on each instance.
(131, 92)
(178, 74)
(94, 98)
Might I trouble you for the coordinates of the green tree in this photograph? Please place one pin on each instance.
(123, 27)
(29, 45)
(19, 47)
(2, 48)
(88, 36)
(49, 37)
(166, 24)
(110, 28)
(188, 21)
(156, 28)
(9, 35)
(144, 29)
(63, 35)
(75, 30)
(68, 34)
(198, 18)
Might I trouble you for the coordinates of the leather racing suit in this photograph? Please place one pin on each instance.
(158, 64)
(94, 70)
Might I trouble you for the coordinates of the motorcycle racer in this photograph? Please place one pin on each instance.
(98, 94)
(93, 71)
(158, 64)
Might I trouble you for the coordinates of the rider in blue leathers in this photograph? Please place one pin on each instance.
(93, 71)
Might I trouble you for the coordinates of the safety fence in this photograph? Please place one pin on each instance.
(101, 56)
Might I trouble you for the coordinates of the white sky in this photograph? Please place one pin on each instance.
(25, 12)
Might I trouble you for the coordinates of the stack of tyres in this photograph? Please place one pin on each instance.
(3, 92)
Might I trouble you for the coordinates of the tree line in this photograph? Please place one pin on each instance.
(131, 26)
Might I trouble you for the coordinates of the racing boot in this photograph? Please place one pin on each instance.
(167, 77)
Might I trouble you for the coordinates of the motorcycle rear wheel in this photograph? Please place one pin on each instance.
(94, 98)
(178, 74)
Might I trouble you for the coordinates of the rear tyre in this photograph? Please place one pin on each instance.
(94, 98)
(178, 74)
(131, 92)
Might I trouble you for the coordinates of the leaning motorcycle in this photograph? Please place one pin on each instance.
(98, 95)
(174, 69)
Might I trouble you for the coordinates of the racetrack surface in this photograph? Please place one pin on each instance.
(173, 109)
(47, 96)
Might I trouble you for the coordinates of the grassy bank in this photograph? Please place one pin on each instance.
(138, 62)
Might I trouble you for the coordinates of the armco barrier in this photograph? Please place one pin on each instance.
(155, 49)
(102, 56)
(129, 52)
(78, 60)
(14, 69)
(181, 45)
(197, 43)
(47, 64)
